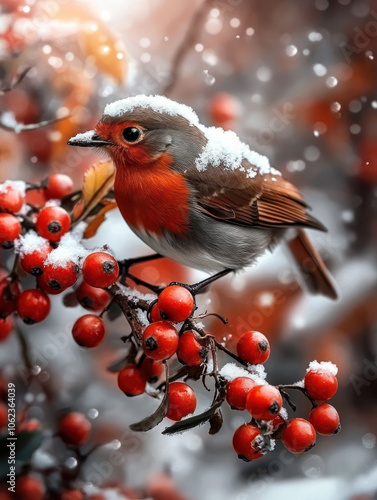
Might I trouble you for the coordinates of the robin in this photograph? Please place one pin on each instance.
(198, 194)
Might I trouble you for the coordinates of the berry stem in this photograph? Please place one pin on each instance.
(299, 388)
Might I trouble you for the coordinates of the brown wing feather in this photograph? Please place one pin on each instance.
(260, 201)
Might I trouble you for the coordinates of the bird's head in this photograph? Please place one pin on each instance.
(138, 131)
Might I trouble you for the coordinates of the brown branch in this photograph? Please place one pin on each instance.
(188, 41)
(129, 308)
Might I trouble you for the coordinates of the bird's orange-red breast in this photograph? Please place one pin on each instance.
(143, 184)
(199, 195)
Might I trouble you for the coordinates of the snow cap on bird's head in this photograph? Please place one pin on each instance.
(157, 105)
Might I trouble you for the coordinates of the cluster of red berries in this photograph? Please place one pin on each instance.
(264, 402)
(38, 240)
(160, 341)
(166, 337)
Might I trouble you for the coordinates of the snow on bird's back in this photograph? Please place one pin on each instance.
(224, 147)
(157, 103)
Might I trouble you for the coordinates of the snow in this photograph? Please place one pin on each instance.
(224, 147)
(85, 137)
(135, 295)
(230, 371)
(20, 185)
(70, 249)
(107, 493)
(29, 243)
(158, 103)
(142, 317)
(8, 120)
(283, 412)
(314, 366)
(299, 383)
(264, 444)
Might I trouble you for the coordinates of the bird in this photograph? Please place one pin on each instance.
(198, 194)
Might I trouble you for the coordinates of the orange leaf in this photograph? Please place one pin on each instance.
(98, 181)
(93, 226)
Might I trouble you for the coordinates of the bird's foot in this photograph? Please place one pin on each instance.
(126, 264)
(202, 285)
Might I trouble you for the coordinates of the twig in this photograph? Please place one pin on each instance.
(18, 79)
(24, 350)
(188, 41)
(297, 387)
(129, 308)
(8, 122)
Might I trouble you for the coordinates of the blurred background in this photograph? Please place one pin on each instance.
(298, 82)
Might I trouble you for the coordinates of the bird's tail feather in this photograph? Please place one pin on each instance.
(311, 265)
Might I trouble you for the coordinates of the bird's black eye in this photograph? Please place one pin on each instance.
(131, 134)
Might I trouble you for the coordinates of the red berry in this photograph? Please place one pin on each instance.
(3, 415)
(92, 298)
(43, 285)
(29, 425)
(9, 293)
(264, 402)
(224, 110)
(88, 331)
(277, 422)
(151, 370)
(160, 340)
(131, 381)
(325, 419)
(244, 442)
(155, 314)
(237, 391)
(33, 262)
(72, 495)
(58, 185)
(29, 488)
(33, 306)
(52, 223)
(190, 351)
(10, 230)
(321, 384)
(182, 401)
(175, 303)
(74, 428)
(11, 199)
(299, 435)
(61, 276)
(100, 269)
(253, 347)
(6, 326)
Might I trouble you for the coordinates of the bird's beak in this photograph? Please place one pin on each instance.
(88, 140)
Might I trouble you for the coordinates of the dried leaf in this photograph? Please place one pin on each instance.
(190, 423)
(121, 363)
(98, 181)
(94, 224)
(150, 422)
(215, 422)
